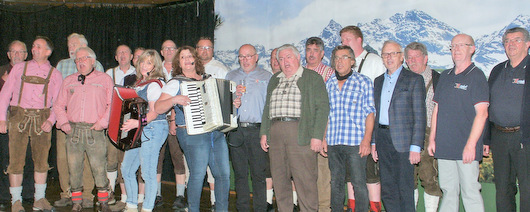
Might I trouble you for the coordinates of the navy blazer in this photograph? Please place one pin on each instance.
(407, 112)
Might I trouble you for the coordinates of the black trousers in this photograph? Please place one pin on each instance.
(245, 152)
(397, 175)
(511, 161)
(28, 183)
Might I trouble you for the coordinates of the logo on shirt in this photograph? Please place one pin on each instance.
(460, 86)
(518, 81)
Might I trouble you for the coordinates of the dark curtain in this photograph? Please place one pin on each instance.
(106, 27)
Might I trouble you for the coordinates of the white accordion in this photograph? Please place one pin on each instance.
(211, 106)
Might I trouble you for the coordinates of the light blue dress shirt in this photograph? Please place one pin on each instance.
(253, 100)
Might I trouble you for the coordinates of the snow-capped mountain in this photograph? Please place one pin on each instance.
(413, 25)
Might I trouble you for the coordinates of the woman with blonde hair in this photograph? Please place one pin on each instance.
(150, 80)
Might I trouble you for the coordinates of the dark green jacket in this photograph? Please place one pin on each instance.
(314, 108)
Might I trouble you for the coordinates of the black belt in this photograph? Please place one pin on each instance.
(384, 126)
(286, 119)
(248, 124)
(507, 129)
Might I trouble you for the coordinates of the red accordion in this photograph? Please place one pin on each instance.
(126, 104)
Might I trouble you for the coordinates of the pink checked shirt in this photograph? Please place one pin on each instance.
(32, 95)
(88, 103)
(321, 69)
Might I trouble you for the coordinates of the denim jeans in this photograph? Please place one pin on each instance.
(346, 159)
(80, 140)
(200, 151)
(153, 136)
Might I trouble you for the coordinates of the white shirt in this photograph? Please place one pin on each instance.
(373, 65)
(118, 79)
(217, 69)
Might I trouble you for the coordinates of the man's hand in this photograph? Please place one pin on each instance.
(365, 148)
(486, 150)
(66, 128)
(414, 157)
(97, 127)
(264, 144)
(46, 126)
(324, 151)
(374, 153)
(432, 147)
(237, 102)
(3, 126)
(240, 90)
(316, 145)
(468, 155)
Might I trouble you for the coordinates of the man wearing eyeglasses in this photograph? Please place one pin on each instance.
(83, 108)
(28, 93)
(67, 67)
(244, 142)
(457, 123)
(211, 65)
(168, 52)
(349, 131)
(399, 129)
(17, 53)
(508, 128)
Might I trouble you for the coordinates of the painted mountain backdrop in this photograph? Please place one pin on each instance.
(413, 25)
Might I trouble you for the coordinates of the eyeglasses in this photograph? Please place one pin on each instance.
(393, 54)
(245, 56)
(204, 48)
(169, 48)
(515, 40)
(18, 52)
(459, 45)
(344, 57)
(80, 59)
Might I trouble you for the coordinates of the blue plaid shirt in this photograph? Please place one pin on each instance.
(349, 108)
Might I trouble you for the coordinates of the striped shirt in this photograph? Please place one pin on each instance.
(324, 69)
(286, 98)
(349, 108)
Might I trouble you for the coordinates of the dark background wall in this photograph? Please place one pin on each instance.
(106, 27)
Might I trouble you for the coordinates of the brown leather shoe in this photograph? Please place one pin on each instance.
(17, 207)
(104, 207)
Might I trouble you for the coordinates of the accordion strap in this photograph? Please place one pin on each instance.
(150, 81)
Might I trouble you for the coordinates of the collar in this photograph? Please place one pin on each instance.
(396, 73)
(298, 73)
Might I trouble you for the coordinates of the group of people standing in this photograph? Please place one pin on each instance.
(368, 122)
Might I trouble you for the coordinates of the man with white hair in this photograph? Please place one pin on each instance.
(293, 124)
(67, 67)
(83, 109)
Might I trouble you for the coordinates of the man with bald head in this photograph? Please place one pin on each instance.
(457, 123)
(211, 65)
(124, 56)
(83, 109)
(399, 128)
(67, 67)
(168, 52)
(28, 93)
(416, 57)
(292, 129)
(244, 143)
(17, 53)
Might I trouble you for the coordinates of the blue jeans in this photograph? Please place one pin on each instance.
(200, 151)
(346, 159)
(153, 136)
